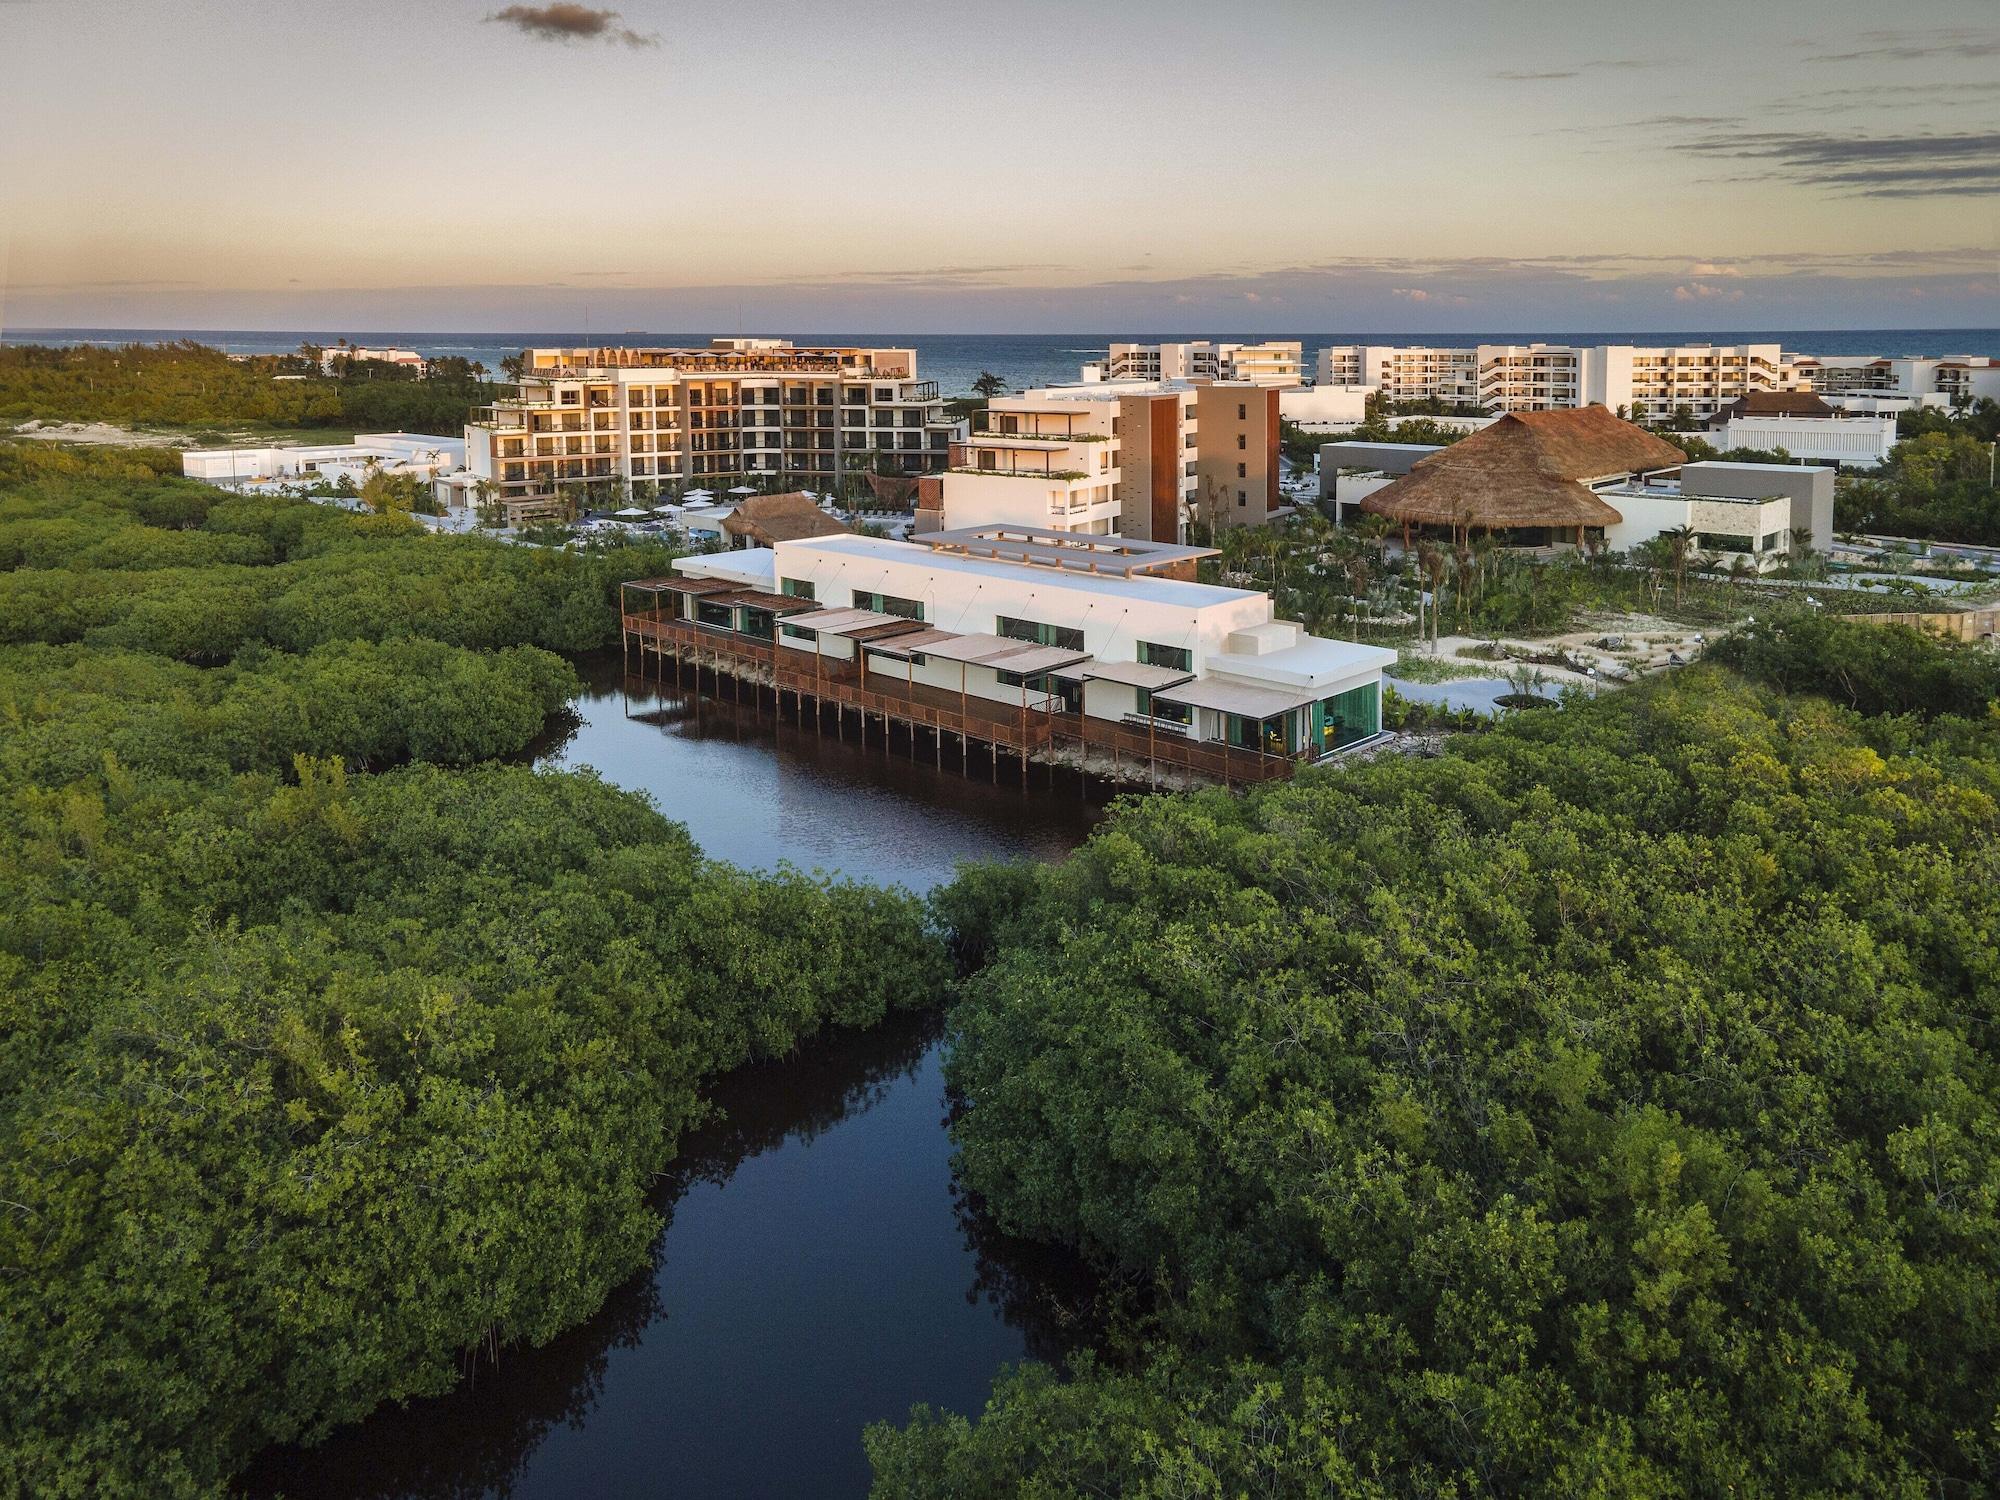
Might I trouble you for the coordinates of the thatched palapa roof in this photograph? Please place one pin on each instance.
(1773, 404)
(1527, 469)
(789, 517)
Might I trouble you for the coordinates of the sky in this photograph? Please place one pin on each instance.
(793, 166)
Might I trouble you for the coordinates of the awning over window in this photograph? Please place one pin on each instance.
(1136, 674)
(981, 650)
(1036, 660)
(682, 585)
(777, 604)
(844, 621)
(1246, 699)
(916, 643)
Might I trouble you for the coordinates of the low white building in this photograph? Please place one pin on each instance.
(408, 359)
(281, 466)
(1756, 513)
(1054, 621)
(1325, 407)
(1854, 442)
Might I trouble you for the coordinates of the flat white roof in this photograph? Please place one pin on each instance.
(1313, 662)
(755, 567)
(1155, 590)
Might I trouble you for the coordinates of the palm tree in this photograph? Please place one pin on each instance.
(1679, 549)
(1433, 561)
(988, 385)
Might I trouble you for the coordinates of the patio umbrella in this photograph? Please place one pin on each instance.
(633, 510)
(743, 489)
(698, 495)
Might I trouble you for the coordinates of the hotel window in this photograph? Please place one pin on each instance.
(1038, 633)
(1242, 498)
(889, 604)
(799, 588)
(1153, 654)
(1242, 472)
(1171, 713)
(1242, 442)
(1242, 412)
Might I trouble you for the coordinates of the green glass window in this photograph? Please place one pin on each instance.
(1038, 633)
(1348, 717)
(1153, 654)
(889, 604)
(800, 588)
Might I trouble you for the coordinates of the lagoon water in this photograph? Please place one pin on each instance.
(819, 1269)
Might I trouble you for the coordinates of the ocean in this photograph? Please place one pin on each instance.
(1023, 360)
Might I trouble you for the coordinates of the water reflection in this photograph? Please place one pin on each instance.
(819, 1268)
(819, 1271)
(756, 790)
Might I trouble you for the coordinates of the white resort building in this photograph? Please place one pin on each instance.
(1268, 363)
(1032, 637)
(277, 466)
(1645, 384)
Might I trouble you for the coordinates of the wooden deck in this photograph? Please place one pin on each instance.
(1027, 732)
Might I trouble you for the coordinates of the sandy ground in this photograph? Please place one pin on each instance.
(1644, 643)
(100, 432)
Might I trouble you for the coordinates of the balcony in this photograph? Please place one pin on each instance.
(1060, 476)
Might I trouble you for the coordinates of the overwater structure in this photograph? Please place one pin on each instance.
(1037, 645)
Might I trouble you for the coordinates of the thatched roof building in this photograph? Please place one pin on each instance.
(1529, 470)
(762, 520)
(1772, 404)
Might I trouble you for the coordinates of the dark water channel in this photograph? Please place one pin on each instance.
(818, 1270)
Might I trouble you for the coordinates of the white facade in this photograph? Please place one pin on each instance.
(1325, 405)
(1644, 384)
(1955, 379)
(1856, 442)
(1647, 383)
(1268, 363)
(409, 359)
(1190, 639)
(1045, 458)
(264, 466)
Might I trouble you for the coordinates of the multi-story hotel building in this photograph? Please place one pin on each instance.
(738, 409)
(1140, 458)
(1646, 384)
(1954, 379)
(1268, 363)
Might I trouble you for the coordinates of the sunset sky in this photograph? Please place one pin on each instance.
(1240, 165)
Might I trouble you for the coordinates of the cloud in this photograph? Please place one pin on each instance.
(1710, 268)
(1577, 70)
(1905, 46)
(564, 22)
(1703, 291)
(1871, 166)
(1427, 297)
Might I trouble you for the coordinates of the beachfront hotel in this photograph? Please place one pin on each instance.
(1039, 643)
(1138, 458)
(1646, 384)
(737, 409)
(1270, 363)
